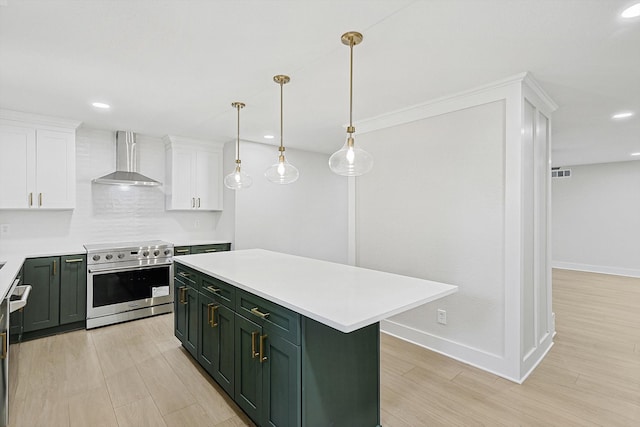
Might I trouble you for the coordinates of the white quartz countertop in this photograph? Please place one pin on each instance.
(343, 297)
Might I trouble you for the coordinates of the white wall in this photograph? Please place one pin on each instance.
(106, 213)
(459, 194)
(307, 218)
(596, 219)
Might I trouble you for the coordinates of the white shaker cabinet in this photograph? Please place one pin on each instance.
(37, 162)
(194, 174)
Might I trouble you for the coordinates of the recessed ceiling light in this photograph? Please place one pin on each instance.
(622, 115)
(269, 137)
(631, 12)
(635, 154)
(101, 105)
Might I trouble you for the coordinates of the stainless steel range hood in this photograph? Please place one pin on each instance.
(126, 164)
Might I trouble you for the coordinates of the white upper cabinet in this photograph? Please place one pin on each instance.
(37, 162)
(194, 174)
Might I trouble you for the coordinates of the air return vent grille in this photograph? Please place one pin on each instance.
(560, 173)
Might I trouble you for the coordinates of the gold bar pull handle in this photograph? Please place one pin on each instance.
(193, 202)
(54, 268)
(214, 290)
(182, 251)
(39, 199)
(263, 358)
(198, 202)
(182, 297)
(71, 261)
(30, 199)
(183, 274)
(211, 250)
(257, 312)
(254, 353)
(4, 345)
(212, 318)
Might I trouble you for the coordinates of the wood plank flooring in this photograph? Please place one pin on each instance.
(137, 374)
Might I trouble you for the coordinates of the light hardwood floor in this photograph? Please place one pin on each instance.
(137, 374)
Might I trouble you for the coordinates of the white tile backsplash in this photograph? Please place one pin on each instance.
(106, 213)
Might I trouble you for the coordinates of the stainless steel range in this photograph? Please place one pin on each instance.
(127, 281)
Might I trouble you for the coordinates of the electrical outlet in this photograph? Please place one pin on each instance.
(442, 316)
(4, 229)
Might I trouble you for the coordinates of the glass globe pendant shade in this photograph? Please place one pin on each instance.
(282, 172)
(350, 161)
(237, 180)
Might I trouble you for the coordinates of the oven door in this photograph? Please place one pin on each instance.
(112, 290)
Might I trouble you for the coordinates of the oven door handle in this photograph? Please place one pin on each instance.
(130, 268)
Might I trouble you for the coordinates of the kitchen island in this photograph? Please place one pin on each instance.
(294, 341)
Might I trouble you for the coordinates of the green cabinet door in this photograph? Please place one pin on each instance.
(180, 309)
(42, 311)
(73, 288)
(215, 348)
(248, 369)
(191, 336)
(207, 345)
(281, 382)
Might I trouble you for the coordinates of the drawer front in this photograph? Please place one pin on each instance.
(220, 291)
(186, 275)
(203, 249)
(182, 250)
(274, 317)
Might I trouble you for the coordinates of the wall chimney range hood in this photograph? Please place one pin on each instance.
(126, 164)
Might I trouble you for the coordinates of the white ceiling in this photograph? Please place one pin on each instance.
(174, 67)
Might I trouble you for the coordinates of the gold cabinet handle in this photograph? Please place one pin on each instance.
(39, 199)
(214, 290)
(4, 345)
(198, 201)
(254, 353)
(30, 199)
(211, 315)
(54, 268)
(182, 294)
(183, 274)
(211, 250)
(193, 202)
(70, 261)
(263, 358)
(257, 312)
(182, 251)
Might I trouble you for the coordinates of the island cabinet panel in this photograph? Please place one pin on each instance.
(340, 376)
(44, 301)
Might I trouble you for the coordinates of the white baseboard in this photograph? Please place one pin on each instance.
(603, 269)
(492, 363)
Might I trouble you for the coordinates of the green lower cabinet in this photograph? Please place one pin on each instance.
(216, 341)
(248, 370)
(186, 316)
(281, 383)
(44, 301)
(73, 288)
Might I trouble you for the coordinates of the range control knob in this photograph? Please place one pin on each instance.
(120, 255)
(96, 257)
(156, 252)
(145, 253)
(167, 251)
(109, 256)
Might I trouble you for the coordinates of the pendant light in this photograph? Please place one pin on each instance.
(237, 180)
(282, 172)
(349, 160)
